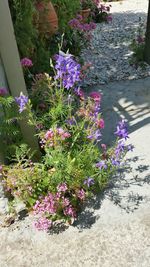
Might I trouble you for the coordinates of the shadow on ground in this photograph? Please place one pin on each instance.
(119, 192)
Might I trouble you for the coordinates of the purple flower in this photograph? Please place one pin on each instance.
(68, 70)
(101, 165)
(96, 135)
(81, 194)
(92, 26)
(122, 131)
(120, 148)
(97, 110)
(3, 91)
(71, 121)
(78, 24)
(21, 101)
(89, 182)
(115, 162)
(79, 92)
(26, 62)
(130, 147)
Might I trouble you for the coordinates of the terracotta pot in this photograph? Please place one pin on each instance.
(47, 18)
(85, 13)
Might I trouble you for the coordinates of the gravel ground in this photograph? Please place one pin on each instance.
(110, 51)
(114, 228)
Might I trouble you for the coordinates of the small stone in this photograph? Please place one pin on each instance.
(19, 206)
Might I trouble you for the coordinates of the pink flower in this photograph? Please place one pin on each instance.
(3, 91)
(65, 201)
(47, 205)
(49, 134)
(63, 134)
(62, 187)
(103, 146)
(43, 224)
(81, 194)
(26, 62)
(100, 123)
(66, 135)
(96, 96)
(69, 211)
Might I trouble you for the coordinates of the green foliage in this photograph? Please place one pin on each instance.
(86, 4)
(9, 128)
(138, 50)
(73, 165)
(65, 160)
(138, 46)
(22, 15)
(66, 10)
(30, 43)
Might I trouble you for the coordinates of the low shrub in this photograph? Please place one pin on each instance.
(74, 164)
(101, 12)
(138, 45)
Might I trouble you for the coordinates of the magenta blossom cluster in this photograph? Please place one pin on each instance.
(53, 136)
(43, 224)
(26, 62)
(140, 40)
(104, 8)
(78, 24)
(96, 96)
(50, 205)
(67, 70)
(3, 91)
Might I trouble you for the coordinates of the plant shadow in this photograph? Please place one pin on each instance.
(120, 191)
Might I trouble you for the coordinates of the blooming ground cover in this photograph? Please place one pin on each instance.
(74, 162)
